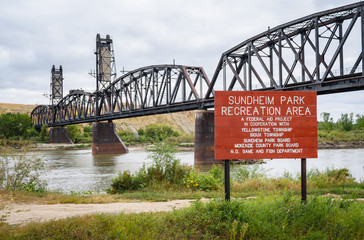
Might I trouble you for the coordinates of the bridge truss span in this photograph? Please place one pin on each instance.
(149, 90)
(152, 87)
(76, 106)
(321, 52)
(41, 114)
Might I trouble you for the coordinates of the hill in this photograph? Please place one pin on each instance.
(16, 108)
(181, 121)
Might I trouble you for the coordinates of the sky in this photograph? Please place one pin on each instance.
(40, 33)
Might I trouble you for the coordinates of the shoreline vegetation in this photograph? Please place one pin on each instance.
(190, 147)
(142, 147)
(16, 130)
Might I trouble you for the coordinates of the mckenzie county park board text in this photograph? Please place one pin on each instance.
(266, 125)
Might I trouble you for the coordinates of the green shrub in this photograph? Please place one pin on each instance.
(359, 124)
(336, 136)
(74, 132)
(243, 173)
(44, 133)
(207, 182)
(346, 122)
(166, 171)
(88, 129)
(15, 125)
(217, 172)
(165, 165)
(86, 136)
(183, 138)
(204, 181)
(196, 180)
(322, 135)
(125, 181)
(32, 133)
(328, 123)
(165, 168)
(159, 132)
(21, 171)
(127, 136)
(141, 132)
(84, 139)
(330, 176)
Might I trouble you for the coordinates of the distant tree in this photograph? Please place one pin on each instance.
(328, 123)
(88, 130)
(15, 125)
(159, 132)
(359, 121)
(32, 133)
(44, 133)
(74, 132)
(346, 121)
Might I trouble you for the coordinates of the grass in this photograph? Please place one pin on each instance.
(340, 136)
(319, 183)
(262, 218)
(276, 211)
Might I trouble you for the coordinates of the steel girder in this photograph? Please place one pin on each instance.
(154, 86)
(76, 106)
(41, 114)
(321, 52)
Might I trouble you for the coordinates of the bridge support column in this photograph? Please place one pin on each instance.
(105, 139)
(205, 138)
(59, 135)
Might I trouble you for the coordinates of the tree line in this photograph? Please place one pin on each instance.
(17, 126)
(346, 122)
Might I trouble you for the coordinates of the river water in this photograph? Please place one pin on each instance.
(79, 171)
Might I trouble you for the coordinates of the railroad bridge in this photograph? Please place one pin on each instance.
(322, 52)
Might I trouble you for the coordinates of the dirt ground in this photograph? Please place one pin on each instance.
(21, 214)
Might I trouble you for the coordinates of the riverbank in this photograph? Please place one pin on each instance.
(340, 145)
(186, 147)
(79, 146)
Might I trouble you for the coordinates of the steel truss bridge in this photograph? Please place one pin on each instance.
(321, 52)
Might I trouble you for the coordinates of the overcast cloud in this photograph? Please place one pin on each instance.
(39, 33)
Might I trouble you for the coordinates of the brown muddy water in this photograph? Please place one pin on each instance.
(79, 171)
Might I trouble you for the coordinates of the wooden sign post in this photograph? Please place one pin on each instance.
(265, 125)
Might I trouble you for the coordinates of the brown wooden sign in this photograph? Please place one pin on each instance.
(265, 125)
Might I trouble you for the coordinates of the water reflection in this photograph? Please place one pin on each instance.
(79, 170)
(100, 161)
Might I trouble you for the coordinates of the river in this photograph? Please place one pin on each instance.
(79, 171)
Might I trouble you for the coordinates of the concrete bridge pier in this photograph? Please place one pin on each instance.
(105, 140)
(205, 138)
(59, 135)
